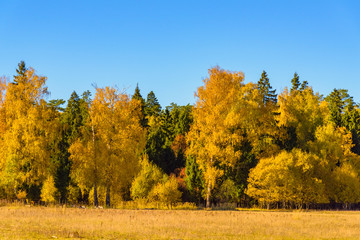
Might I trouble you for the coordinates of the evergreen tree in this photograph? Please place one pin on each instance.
(345, 113)
(194, 178)
(72, 117)
(137, 96)
(21, 72)
(295, 82)
(339, 100)
(304, 85)
(264, 88)
(152, 105)
(72, 121)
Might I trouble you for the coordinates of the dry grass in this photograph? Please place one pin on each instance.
(62, 223)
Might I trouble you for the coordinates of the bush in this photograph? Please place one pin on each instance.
(150, 175)
(167, 193)
(48, 191)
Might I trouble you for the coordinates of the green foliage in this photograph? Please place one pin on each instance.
(137, 96)
(21, 72)
(150, 175)
(295, 82)
(238, 139)
(228, 192)
(265, 91)
(339, 101)
(345, 113)
(194, 178)
(152, 105)
(166, 143)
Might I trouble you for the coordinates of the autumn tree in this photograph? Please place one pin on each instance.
(288, 177)
(214, 133)
(301, 112)
(333, 145)
(148, 177)
(108, 156)
(345, 113)
(28, 128)
(166, 192)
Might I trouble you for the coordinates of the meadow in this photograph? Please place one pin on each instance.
(18, 222)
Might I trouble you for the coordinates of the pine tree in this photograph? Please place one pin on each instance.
(339, 100)
(295, 82)
(194, 178)
(21, 72)
(137, 96)
(264, 88)
(152, 105)
(304, 85)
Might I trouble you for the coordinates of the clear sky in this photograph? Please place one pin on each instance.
(168, 46)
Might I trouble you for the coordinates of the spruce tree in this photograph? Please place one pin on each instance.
(264, 88)
(137, 96)
(194, 178)
(152, 105)
(304, 85)
(21, 73)
(338, 100)
(295, 82)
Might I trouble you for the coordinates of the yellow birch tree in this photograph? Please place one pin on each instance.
(214, 133)
(109, 155)
(26, 129)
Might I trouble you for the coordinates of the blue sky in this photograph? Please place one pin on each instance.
(168, 46)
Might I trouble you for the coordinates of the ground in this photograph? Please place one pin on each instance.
(73, 223)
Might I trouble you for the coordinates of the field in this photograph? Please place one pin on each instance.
(73, 223)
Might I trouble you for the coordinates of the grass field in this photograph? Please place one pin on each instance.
(72, 223)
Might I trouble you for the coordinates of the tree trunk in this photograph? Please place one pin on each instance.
(96, 202)
(108, 196)
(208, 195)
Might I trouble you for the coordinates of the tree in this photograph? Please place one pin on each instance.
(214, 134)
(152, 105)
(28, 129)
(228, 192)
(288, 177)
(137, 96)
(345, 113)
(194, 178)
(48, 191)
(166, 192)
(149, 176)
(265, 91)
(113, 147)
(21, 73)
(333, 146)
(300, 114)
(158, 145)
(72, 121)
(339, 101)
(166, 142)
(295, 82)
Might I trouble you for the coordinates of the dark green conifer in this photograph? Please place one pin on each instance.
(264, 88)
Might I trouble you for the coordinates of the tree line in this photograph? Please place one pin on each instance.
(240, 143)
